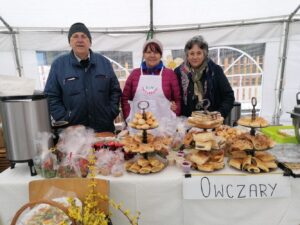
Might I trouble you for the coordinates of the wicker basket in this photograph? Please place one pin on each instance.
(32, 204)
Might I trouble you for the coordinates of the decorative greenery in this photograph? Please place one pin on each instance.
(90, 214)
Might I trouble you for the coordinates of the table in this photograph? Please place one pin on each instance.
(159, 198)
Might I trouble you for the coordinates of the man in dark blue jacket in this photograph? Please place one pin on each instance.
(82, 87)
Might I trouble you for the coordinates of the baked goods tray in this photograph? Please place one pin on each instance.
(288, 158)
(288, 153)
(287, 171)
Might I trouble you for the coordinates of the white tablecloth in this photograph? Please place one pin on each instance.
(159, 198)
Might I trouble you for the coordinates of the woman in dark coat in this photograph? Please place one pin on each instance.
(200, 78)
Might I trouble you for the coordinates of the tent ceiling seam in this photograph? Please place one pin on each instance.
(159, 28)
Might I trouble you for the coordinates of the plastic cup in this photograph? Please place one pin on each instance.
(171, 159)
(180, 154)
(186, 166)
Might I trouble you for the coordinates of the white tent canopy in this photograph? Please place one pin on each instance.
(119, 25)
(136, 13)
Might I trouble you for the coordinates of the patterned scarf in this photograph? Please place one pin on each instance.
(196, 76)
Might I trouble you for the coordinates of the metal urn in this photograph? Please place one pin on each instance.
(23, 118)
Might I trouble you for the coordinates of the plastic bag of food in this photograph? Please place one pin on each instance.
(178, 137)
(75, 141)
(103, 163)
(42, 143)
(69, 167)
(117, 169)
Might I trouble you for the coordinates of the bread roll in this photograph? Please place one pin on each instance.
(141, 121)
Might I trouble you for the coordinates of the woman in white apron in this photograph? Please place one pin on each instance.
(153, 83)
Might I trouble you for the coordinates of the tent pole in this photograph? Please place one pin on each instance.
(151, 30)
(280, 78)
(14, 40)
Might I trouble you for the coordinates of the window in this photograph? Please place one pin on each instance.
(243, 66)
(122, 63)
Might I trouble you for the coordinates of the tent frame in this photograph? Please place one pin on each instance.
(14, 40)
(286, 20)
(281, 76)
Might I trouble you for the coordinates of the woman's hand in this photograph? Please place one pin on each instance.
(173, 106)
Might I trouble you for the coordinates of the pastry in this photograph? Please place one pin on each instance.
(252, 169)
(238, 154)
(271, 165)
(188, 138)
(203, 146)
(257, 162)
(246, 162)
(242, 144)
(154, 162)
(258, 122)
(156, 169)
(128, 165)
(203, 137)
(265, 156)
(199, 158)
(134, 168)
(145, 170)
(142, 162)
(217, 165)
(141, 121)
(145, 126)
(217, 156)
(207, 167)
(261, 142)
(154, 125)
(236, 163)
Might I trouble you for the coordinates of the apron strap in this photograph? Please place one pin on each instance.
(160, 73)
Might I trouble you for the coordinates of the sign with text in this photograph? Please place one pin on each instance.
(236, 187)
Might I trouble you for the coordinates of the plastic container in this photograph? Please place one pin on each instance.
(186, 166)
(273, 132)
